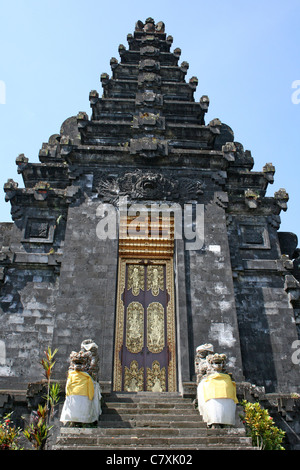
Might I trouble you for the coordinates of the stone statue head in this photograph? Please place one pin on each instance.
(216, 362)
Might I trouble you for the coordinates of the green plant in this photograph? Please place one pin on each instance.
(38, 431)
(9, 434)
(260, 426)
(53, 398)
(48, 363)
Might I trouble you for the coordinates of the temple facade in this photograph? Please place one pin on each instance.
(145, 228)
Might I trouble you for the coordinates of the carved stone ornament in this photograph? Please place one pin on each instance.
(147, 185)
(87, 359)
(281, 197)
(201, 365)
(207, 362)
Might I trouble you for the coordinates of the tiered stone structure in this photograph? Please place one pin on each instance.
(147, 139)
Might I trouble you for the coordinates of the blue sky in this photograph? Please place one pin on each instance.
(244, 53)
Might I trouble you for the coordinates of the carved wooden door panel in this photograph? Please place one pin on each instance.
(145, 330)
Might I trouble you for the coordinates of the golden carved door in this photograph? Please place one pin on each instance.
(145, 358)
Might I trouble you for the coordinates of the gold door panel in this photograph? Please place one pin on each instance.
(145, 357)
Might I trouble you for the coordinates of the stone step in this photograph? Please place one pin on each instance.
(145, 406)
(160, 448)
(112, 442)
(164, 421)
(96, 433)
(128, 416)
(121, 411)
(157, 423)
(147, 397)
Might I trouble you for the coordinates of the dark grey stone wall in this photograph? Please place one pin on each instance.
(211, 294)
(267, 330)
(85, 305)
(266, 318)
(27, 312)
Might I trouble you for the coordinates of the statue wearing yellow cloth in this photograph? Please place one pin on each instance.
(82, 402)
(216, 392)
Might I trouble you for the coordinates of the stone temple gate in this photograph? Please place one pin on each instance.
(90, 251)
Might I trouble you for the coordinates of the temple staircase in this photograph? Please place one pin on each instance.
(151, 421)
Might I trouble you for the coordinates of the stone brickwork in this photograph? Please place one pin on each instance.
(148, 139)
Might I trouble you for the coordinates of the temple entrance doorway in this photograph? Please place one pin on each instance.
(145, 349)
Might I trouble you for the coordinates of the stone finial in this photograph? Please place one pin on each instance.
(281, 194)
(82, 116)
(21, 162)
(10, 185)
(269, 168)
(204, 103)
(160, 27)
(139, 26)
(21, 159)
(104, 78)
(10, 189)
(193, 82)
(281, 197)
(114, 62)
(269, 171)
(93, 96)
(149, 25)
(177, 52)
(184, 66)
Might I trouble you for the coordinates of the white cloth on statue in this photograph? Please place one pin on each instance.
(96, 401)
(82, 409)
(216, 410)
(77, 409)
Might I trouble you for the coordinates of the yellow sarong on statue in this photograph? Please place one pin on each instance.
(80, 383)
(219, 385)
